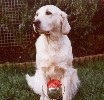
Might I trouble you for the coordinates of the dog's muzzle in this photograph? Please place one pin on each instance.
(36, 26)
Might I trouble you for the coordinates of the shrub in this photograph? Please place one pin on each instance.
(80, 15)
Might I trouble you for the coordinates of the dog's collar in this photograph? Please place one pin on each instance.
(43, 32)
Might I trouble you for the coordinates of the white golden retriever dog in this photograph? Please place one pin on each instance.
(53, 53)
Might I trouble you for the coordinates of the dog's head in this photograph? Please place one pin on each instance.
(51, 19)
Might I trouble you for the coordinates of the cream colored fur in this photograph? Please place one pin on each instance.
(53, 54)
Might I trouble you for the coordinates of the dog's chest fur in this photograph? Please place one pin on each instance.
(54, 54)
(54, 49)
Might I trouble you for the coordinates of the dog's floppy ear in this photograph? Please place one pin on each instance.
(65, 25)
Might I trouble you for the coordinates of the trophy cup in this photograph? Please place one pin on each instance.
(54, 89)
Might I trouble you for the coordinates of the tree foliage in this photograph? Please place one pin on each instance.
(80, 15)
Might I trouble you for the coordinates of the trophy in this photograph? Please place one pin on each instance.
(54, 89)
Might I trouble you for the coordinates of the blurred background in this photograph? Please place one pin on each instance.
(17, 38)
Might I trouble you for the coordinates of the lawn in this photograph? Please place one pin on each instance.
(13, 85)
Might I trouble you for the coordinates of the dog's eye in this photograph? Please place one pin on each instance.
(48, 13)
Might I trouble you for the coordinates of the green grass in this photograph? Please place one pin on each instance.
(13, 85)
(92, 81)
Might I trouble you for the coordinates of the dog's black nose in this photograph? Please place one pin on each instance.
(37, 23)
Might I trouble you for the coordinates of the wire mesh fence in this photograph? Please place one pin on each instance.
(10, 13)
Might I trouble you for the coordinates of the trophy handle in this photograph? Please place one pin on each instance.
(44, 93)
